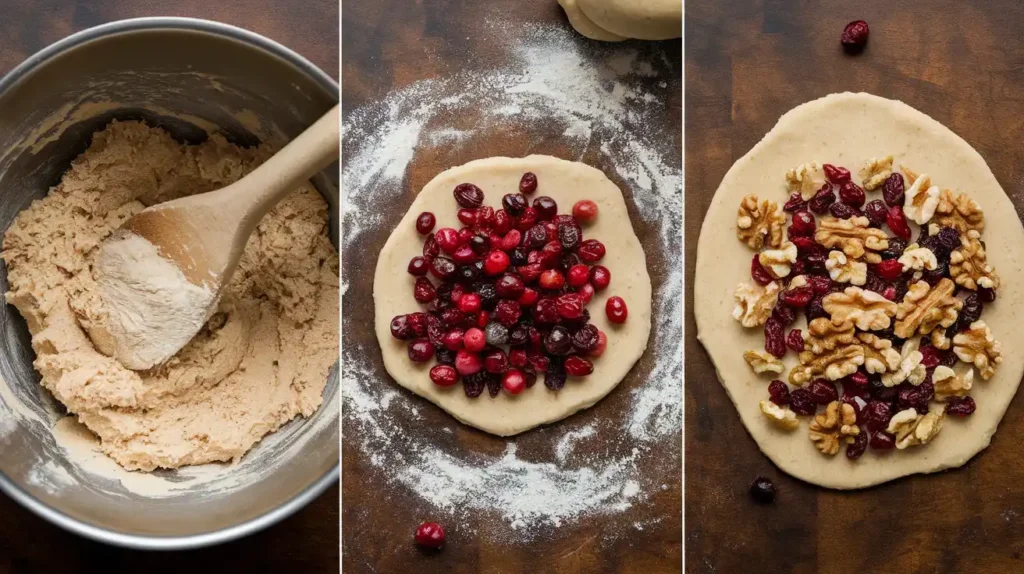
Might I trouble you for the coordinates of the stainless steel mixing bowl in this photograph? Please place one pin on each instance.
(187, 76)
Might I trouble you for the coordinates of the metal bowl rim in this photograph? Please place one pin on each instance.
(312, 491)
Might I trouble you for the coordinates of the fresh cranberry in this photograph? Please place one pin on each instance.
(545, 207)
(453, 340)
(802, 403)
(495, 361)
(600, 277)
(876, 211)
(796, 203)
(897, 221)
(496, 262)
(577, 366)
(527, 220)
(467, 363)
(586, 292)
(759, 273)
(464, 255)
(578, 275)
(602, 344)
(892, 190)
(855, 36)
(529, 273)
(855, 449)
(430, 534)
(584, 211)
(779, 393)
(889, 270)
(513, 381)
(615, 309)
(851, 194)
(528, 298)
(823, 392)
(423, 291)
(444, 375)
(591, 251)
(421, 350)
(762, 490)
(465, 235)
(882, 440)
(503, 222)
(528, 183)
(510, 240)
(795, 340)
(798, 297)
(425, 223)
(822, 199)
(774, 337)
(468, 195)
(447, 239)
(514, 203)
(570, 306)
(400, 328)
(877, 415)
(469, 303)
(467, 216)
(507, 312)
(474, 340)
(837, 175)
(960, 406)
(551, 279)
(418, 323)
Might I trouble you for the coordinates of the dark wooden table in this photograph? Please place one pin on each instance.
(390, 44)
(748, 62)
(305, 542)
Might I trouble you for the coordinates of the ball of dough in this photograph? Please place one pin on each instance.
(586, 26)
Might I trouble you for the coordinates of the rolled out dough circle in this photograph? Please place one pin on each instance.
(640, 19)
(848, 129)
(586, 26)
(566, 182)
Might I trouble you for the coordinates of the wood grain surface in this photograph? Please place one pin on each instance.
(305, 542)
(390, 44)
(747, 63)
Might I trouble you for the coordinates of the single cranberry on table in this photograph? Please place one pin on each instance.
(615, 309)
(421, 350)
(425, 223)
(513, 381)
(430, 535)
(584, 211)
(774, 335)
(444, 375)
(528, 183)
(762, 490)
(855, 36)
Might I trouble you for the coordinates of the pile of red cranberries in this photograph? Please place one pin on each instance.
(505, 295)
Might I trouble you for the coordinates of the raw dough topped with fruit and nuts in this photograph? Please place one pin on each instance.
(513, 293)
(854, 273)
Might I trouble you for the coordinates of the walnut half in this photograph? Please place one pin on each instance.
(949, 384)
(830, 350)
(977, 346)
(806, 180)
(763, 362)
(969, 265)
(868, 310)
(913, 429)
(781, 417)
(838, 422)
(754, 303)
(925, 308)
(854, 237)
(759, 224)
(875, 172)
(960, 212)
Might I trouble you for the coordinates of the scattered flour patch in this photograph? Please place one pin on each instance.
(568, 442)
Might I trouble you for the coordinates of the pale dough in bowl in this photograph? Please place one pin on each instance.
(849, 129)
(566, 182)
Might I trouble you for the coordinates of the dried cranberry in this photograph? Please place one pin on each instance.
(453, 340)
(545, 207)
(514, 203)
(546, 311)
(843, 211)
(444, 375)
(875, 211)
(795, 340)
(823, 392)
(430, 535)
(528, 183)
(944, 242)
(970, 312)
(468, 195)
(507, 312)
(858, 380)
(503, 222)
(762, 490)
(892, 190)
(855, 36)
(570, 306)
(779, 393)
(584, 211)
(822, 199)
(517, 358)
(774, 337)
(986, 295)
(759, 273)
(960, 406)
(421, 350)
(803, 225)
(568, 260)
(836, 174)
(554, 376)
(400, 328)
(877, 415)
(930, 356)
(495, 361)
(796, 203)
(889, 270)
(423, 291)
(815, 309)
(558, 341)
(615, 309)
(882, 440)
(855, 449)
(933, 276)
(425, 223)
(527, 220)
(851, 194)
(577, 366)
(820, 285)
(801, 402)
(897, 221)
(586, 338)
(509, 286)
(881, 392)
(591, 251)
(535, 237)
(798, 296)
(784, 314)
(474, 384)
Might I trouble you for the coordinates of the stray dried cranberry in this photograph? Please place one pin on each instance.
(823, 392)
(986, 295)
(795, 340)
(897, 221)
(528, 183)
(815, 309)
(468, 195)
(759, 273)
(877, 415)
(803, 225)
(762, 490)
(545, 207)
(836, 175)
(855, 36)
(779, 393)
(843, 211)
(960, 406)
(421, 350)
(882, 440)
(821, 285)
(591, 251)
(796, 203)
(577, 366)
(554, 376)
(855, 449)
(892, 190)
(822, 199)
(444, 375)
(774, 337)
(586, 338)
(851, 194)
(801, 402)
(875, 211)
(798, 296)
(616, 310)
(400, 328)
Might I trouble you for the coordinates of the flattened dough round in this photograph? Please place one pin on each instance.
(566, 182)
(586, 26)
(640, 19)
(848, 129)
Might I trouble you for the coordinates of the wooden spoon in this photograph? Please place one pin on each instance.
(202, 236)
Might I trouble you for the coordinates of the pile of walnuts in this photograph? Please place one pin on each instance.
(893, 330)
